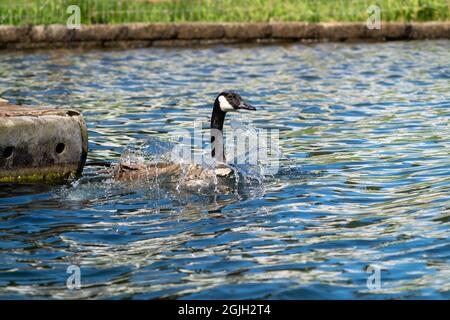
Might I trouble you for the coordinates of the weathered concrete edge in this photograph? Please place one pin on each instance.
(51, 172)
(164, 34)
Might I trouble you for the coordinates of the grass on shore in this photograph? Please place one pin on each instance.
(25, 12)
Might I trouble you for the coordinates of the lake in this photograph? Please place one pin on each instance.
(363, 187)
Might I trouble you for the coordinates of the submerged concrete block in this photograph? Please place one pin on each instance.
(41, 145)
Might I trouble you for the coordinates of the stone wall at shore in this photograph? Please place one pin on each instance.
(187, 34)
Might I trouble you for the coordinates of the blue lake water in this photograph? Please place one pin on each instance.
(364, 181)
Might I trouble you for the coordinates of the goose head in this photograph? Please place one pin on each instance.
(230, 101)
(226, 101)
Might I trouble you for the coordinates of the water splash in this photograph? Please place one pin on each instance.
(246, 173)
(246, 179)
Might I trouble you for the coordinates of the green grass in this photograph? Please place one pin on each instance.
(24, 12)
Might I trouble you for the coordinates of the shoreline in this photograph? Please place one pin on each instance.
(194, 34)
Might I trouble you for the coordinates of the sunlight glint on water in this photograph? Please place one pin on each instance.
(364, 175)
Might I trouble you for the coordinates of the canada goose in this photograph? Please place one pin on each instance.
(191, 174)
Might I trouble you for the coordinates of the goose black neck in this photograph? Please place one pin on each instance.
(217, 120)
(217, 117)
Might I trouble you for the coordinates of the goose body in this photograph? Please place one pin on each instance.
(170, 171)
(191, 174)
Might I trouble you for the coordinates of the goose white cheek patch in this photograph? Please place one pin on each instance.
(225, 106)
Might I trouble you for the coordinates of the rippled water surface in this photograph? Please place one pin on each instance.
(365, 176)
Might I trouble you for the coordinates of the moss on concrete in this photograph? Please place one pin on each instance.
(51, 178)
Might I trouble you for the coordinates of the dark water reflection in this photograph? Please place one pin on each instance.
(366, 124)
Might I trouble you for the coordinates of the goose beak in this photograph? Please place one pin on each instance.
(246, 106)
